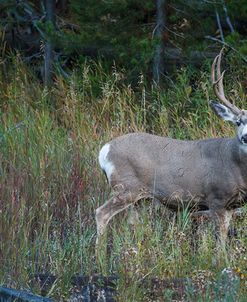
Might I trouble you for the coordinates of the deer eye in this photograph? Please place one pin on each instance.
(238, 122)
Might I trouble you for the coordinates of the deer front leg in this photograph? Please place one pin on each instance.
(222, 220)
(115, 205)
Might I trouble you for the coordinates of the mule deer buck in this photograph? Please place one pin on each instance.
(209, 175)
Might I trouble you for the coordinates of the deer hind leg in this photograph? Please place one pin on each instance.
(133, 216)
(222, 220)
(115, 205)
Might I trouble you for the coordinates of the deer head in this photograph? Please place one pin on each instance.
(228, 111)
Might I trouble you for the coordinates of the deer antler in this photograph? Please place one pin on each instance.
(218, 83)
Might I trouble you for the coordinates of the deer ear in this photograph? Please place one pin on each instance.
(224, 112)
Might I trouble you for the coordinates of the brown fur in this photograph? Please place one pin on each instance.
(207, 175)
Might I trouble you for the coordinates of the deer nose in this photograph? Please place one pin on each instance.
(244, 139)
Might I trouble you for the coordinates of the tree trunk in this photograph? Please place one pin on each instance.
(158, 63)
(50, 18)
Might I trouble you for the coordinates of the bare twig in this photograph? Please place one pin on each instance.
(228, 20)
(244, 58)
(219, 26)
(158, 62)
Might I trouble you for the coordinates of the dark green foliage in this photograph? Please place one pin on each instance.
(121, 31)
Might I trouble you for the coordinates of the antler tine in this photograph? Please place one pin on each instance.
(213, 70)
(218, 83)
(219, 75)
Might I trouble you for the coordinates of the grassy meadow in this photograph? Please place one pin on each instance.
(51, 184)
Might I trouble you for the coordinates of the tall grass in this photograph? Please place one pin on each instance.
(50, 183)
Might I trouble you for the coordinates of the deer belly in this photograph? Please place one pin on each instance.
(180, 199)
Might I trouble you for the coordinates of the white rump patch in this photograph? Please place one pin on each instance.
(104, 162)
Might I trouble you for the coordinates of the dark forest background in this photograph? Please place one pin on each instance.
(149, 37)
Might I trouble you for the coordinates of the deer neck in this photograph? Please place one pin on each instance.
(239, 156)
(243, 151)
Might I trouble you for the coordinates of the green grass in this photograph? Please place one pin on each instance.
(50, 185)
